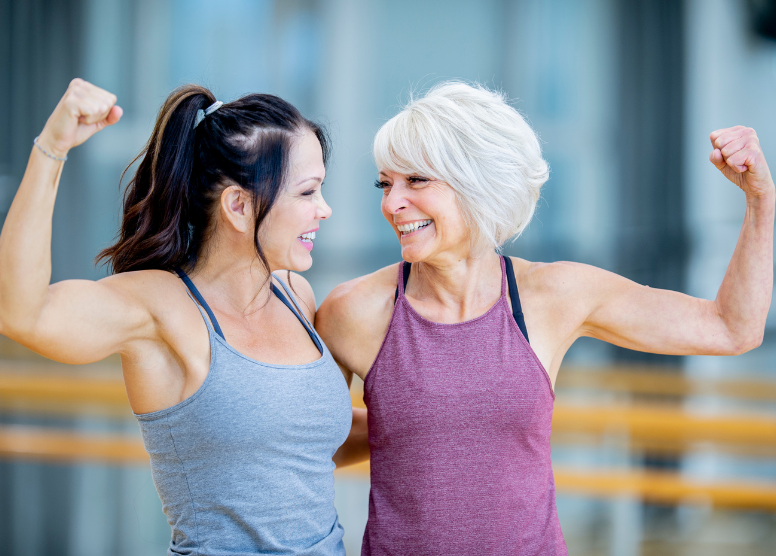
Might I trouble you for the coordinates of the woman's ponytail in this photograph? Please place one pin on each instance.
(155, 230)
(168, 204)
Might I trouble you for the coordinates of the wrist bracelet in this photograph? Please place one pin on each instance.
(59, 158)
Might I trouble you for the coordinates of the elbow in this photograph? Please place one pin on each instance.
(748, 342)
(755, 342)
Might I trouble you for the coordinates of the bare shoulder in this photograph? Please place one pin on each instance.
(567, 291)
(302, 290)
(558, 278)
(354, 317)
(151, 289)
(148, 281)
(157, 296)
(360, 298)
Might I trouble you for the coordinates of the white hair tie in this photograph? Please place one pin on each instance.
(207, 111)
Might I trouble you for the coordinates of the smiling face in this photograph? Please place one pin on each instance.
(287, 234)
(425, 216)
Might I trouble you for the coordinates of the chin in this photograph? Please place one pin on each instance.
(300, 264)
(303, 267)
(412, 254)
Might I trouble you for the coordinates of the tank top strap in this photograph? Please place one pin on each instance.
(404, 276)
(297, 310)
(201, 303)
(517, 309)
(504, 280)
(201, 312)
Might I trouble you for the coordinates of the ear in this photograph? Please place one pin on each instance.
(237, 209)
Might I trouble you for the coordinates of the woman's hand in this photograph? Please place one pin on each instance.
(83, 111)
(356, 448)
(737, 154)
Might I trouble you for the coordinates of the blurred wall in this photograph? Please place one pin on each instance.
(623, 94)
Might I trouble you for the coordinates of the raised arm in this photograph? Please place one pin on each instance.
(658, 321)
(74, 321)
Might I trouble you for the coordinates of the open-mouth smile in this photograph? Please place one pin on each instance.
(412, 228)
(306, 239)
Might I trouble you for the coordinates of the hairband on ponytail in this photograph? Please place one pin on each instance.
(206, 112)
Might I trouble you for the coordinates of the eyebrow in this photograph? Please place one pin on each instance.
(319, 179)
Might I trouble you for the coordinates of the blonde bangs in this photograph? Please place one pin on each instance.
(399, 148)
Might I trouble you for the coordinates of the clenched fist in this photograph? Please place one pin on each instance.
(738, 155)
(83, 111)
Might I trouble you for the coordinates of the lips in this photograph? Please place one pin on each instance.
(306, 239)
(411, 227)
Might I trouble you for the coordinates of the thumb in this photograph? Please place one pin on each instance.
(114, 115)
(717, 159)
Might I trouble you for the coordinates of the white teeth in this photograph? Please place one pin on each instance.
(412, 226)
(309, 236)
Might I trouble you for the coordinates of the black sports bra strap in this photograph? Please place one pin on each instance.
(405, 278)
(201, 300)
(517, 309)
(298, 315)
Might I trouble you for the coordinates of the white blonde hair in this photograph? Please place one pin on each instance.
(470, 138)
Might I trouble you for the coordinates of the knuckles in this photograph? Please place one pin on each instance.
(722, 138)
(86, 99)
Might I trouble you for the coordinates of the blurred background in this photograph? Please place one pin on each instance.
(652, 455)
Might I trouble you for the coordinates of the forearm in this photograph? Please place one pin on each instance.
(744, 297)
(25, 245)
(356, 448)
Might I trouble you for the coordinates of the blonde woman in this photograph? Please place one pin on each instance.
(460, 403)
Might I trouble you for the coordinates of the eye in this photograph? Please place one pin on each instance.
(417, 180)
(382, 184)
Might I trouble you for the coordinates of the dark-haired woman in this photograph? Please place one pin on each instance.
(242, 413)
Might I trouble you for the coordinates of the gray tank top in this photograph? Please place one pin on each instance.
(244, 466)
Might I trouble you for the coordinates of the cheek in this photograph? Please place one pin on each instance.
(450, 222)
(280, 225)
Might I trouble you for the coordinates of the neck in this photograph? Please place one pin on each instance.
(233, 279)
(463, 282)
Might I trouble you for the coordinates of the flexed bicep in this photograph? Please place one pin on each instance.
(84, 321)
(72, 321)
(653, 320)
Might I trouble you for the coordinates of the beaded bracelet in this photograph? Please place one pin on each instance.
(59, 158)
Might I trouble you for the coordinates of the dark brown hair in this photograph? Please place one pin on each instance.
(168, 204)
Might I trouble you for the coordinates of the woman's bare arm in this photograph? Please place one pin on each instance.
(659, 321)
(74, 321)
(356, 447)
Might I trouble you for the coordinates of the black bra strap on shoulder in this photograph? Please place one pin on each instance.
(405, 278)
(517, 309)
(201, 300)
(301, 318)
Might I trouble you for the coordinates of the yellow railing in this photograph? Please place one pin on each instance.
(50, 389)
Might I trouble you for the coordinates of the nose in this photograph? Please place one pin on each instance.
(324, 210)
(395, 201)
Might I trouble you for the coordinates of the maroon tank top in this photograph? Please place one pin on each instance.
(459, 430)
